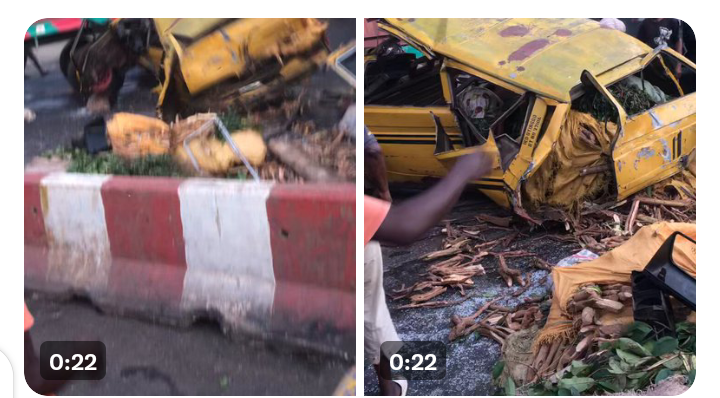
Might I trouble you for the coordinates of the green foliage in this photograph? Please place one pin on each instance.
(665, 345)
(509, 386)
(633, 362)
(631, 98)
(234, 121)
(109, 163)
(497, 369)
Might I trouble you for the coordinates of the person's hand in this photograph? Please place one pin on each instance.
(474, 165)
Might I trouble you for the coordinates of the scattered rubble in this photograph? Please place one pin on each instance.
(142, 145)
(602, 227)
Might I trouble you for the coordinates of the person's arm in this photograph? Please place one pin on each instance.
(377, 172)
(407, 221)
(375, 168)
(32, 371)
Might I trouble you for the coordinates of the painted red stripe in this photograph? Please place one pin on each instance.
(322, 309)
(34, 222)
(312, 234)
(146, 238)
(36, 245)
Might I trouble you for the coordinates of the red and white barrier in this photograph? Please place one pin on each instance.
(270, 259)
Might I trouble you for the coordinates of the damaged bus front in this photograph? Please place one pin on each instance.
(200, 63)
(569, 110)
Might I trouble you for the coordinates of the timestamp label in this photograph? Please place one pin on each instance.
(72, 360)
(416, 360)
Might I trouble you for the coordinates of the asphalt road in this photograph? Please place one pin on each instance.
(149, 359)
(470, 360)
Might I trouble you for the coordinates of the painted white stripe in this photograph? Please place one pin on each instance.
(77, 234)
(227, 248)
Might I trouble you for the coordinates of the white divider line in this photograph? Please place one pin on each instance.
(74, 218)
(227, 247)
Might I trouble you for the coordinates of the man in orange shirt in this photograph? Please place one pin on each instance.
(32, 364)
(402, 224)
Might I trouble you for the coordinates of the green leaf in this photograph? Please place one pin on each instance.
(633, 384)
(564, 392)
(622, 381)
(633, 347)
(601, 373)
(665, 345)
(509, 386)
(637, 375)
(606, 345)
(579, 383)
(674, 364)
(663, 374)
(595, 288)
(639, 331)
(578, 368)
(649, 345)
(497, 369)
(691, 378)
(610, 386)
(615, 367)
(630, 359)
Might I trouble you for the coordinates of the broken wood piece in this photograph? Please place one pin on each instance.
(300, 161)
(588, 315)
(507, 273)
(583, 344)
(434, 292)
(630, 223)
(442, 253)
(462, 323)
(660, 202)
(552, 352)
(608, 305)
(542, 264)
(499, 221)
(435, 304)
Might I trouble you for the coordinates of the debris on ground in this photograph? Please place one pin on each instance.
(110, 163)
(602, 227)
(294, 156)
(590, 329)
(197, 147)
(461, 258)
(194, 146)
(132, 136)
(500, 322)
(591, 343)
(670, 387)
(634, 360)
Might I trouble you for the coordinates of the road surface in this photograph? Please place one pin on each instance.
(470, 360)
(149, 359)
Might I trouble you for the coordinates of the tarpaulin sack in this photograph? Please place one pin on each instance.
(134, 136)
(615, 266)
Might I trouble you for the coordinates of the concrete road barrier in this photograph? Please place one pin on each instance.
(273, 260)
